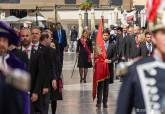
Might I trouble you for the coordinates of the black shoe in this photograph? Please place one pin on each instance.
(105, 106)
(98, 106)
(85, 81)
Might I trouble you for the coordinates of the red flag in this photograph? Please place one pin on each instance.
(100, 67)
(152, 7)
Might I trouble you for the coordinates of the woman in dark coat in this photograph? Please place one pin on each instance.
(56, 93)
(84, 50)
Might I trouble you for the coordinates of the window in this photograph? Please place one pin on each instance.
(116, 2)
(9, 1)
(70, 1)
(18, 13)
(95, 2)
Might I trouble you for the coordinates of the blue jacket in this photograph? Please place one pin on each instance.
(63, 42)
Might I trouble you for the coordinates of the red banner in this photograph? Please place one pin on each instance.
(101, 70)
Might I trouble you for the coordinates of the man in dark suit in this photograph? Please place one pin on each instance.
(35, 63)
(112, 56)
(125, 31)
(120, 45)
(148, 46)
(59, 36)
(103, 86)
(51, 75)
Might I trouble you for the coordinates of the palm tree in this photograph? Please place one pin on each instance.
(87, 5)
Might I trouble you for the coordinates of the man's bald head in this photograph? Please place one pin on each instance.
(25, 35)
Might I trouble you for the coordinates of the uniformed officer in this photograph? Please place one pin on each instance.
(14, 81)
(143, 87)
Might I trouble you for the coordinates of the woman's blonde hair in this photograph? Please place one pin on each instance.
(142, 38)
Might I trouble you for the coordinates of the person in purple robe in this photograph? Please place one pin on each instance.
(14, 80)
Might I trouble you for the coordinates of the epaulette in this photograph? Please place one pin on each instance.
(122, 67)
(17, 78)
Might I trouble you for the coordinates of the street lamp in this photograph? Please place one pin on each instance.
(116, 15)
(80, 23)
(36, 15)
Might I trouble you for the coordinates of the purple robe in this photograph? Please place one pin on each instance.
(14, 62)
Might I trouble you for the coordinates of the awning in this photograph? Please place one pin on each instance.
(74, 14)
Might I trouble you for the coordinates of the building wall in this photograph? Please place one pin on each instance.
(31, 4)
(127, 4)
(139, 2)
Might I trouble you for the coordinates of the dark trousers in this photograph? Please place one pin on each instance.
(102, 92)
(41, 106)
(45, 103)
(36, 107)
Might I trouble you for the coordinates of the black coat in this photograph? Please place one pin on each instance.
(143, 81)
(35, 66)
(112, 55)
(83, 54)
(37, 71)
(145, 51)
(49, 59)
(120, 47)
(56, 94)
(133, 50)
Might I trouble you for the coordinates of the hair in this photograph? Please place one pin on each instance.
(142, 38)
(44, 36)
(57, 24)
(36, 27)
(120, 29)
(85, 30)
(106, 31)
(25, 29)
(147, 33)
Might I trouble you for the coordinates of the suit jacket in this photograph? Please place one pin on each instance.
(63, 43)
(50, 64)
(35, 66)
(133, 50)
(112, 55)
(143, 81)
(145, 51)
(120, 47)
(22, 56)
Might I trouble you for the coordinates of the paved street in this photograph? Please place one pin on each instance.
(78, 97)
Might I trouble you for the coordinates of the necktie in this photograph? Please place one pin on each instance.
(33, 46)
(59, 35)
(149, 47)
(26, 51)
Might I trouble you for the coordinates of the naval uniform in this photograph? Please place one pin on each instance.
(143, 88)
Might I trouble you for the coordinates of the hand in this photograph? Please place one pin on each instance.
(66, 49)
(45, 90)
(34, 97)
(54, 84)
(107, 61)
